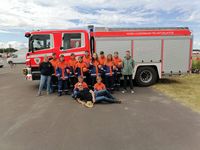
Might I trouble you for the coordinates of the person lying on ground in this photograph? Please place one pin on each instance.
(85, 95)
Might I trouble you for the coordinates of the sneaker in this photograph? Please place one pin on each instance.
(132, 92)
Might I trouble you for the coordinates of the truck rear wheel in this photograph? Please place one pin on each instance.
(146, 76)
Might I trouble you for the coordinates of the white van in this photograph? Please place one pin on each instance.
(18, 57)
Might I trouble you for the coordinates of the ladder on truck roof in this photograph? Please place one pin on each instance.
(104, 29)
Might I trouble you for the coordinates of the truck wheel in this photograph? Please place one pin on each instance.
(146, 76)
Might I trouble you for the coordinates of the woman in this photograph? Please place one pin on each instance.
(109, 69)
(94, 68)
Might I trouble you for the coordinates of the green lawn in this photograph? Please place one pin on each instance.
(185, 89)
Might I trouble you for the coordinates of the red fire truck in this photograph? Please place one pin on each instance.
(158, 52)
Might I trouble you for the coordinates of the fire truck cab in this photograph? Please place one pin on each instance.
(158, 52)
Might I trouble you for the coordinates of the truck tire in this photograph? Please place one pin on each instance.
(146, 76)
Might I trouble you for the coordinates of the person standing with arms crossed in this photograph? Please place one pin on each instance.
(46, 70)
(127, 71)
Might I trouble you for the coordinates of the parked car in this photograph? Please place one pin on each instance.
(1, 62)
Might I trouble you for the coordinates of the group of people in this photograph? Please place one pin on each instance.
(90, 79)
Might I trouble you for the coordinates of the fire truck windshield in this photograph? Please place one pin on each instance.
(40, 42)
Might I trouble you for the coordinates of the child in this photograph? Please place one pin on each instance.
(117, 75)
(81, 69)
(94, 68)
(72, 63)
(102, 61)
(62, 72)
(127, 72)
(54, 80)
(86, 58)
(101, 94)
(109, 68)
(99, 85)
(75, 91)
(102, 58)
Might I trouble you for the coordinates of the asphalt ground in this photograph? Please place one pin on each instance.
(146, 120)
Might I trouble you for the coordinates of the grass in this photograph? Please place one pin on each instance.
(185, 89)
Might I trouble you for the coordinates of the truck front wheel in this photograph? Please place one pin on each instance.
(146, 76)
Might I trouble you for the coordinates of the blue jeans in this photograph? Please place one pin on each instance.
(104, 96)
(44, 80)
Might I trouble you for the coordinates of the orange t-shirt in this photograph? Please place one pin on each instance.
(87, 60)
(117, 61)
(81, 65)
(99, 86)
(54, 63)
(84, 85)
(72, 63)
(96, 64)
(102, 60)
(110, 64)
(62, 66)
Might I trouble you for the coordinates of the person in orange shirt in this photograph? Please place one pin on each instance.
(102, 61)
(82, 69)
(84, 85)
(109, 69)
(99, 85)
(102, 94)
(118, 73)
(94, 68)
(62, 72)
(72, 64)
(86, 58)
(54, 80)
(102, 58)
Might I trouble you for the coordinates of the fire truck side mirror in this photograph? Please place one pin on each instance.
(61, 48)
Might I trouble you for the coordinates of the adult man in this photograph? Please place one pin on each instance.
(46, 70)
(127, 71)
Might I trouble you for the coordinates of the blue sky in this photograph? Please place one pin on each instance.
(19, 16)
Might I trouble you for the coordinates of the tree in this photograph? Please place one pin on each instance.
(7, 50)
